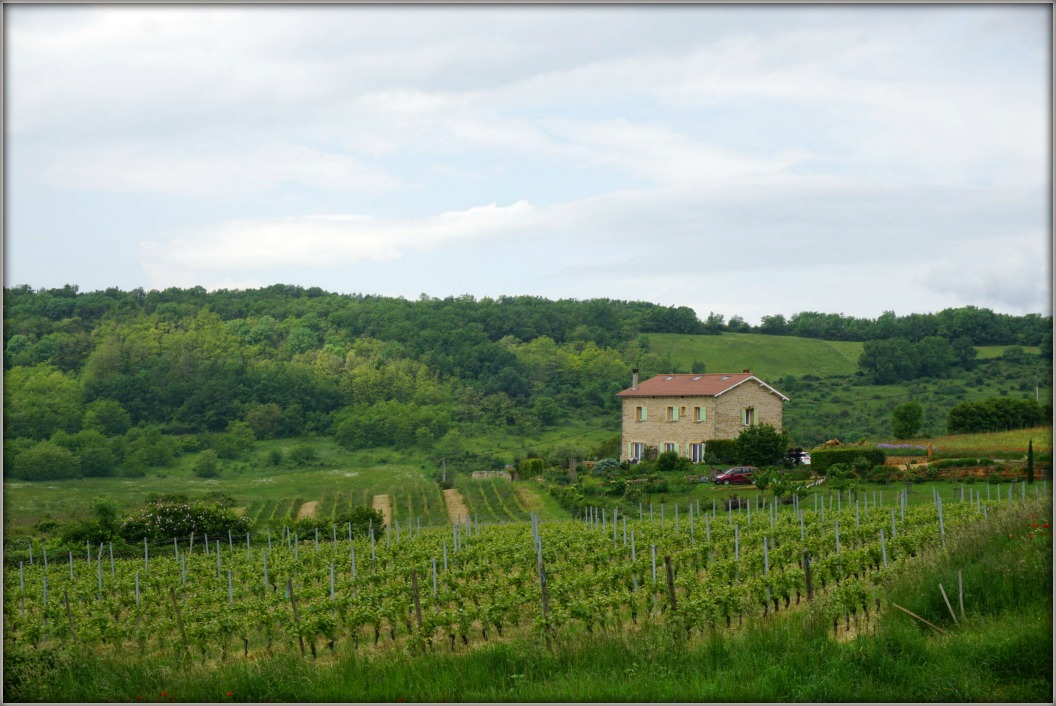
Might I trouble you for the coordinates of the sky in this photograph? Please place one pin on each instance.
(747, 161)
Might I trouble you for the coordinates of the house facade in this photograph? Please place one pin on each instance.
(681, 412)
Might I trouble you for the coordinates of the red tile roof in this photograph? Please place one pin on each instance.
(687, 385)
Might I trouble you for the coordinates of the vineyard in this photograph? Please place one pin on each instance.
(695, 569)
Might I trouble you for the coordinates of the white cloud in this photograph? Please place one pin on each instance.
(208, 170)
(326, 240)
(1015, 275)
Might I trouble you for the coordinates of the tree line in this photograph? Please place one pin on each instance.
(110, 382)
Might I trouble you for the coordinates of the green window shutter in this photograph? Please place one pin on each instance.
(645, 413)
(674, 414)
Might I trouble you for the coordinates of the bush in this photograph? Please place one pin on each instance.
(607, 467)
(165, 520)
(530, 467)
(671, 461)
(362, 519)
(47, 461)
(207, 465)
(761, 445)
(721, 451)
(823, 458)
(302, 454)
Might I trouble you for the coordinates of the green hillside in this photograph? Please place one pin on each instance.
(770, 357)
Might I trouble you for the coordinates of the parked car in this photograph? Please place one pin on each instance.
(739, 475)
(805, 458)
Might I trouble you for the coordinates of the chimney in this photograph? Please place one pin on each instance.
(746, 371)
(634, 379)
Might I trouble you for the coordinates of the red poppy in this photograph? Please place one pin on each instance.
(164, 693)
(229, 693)
(1035, 524)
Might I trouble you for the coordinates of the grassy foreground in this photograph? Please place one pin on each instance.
(1000, 650)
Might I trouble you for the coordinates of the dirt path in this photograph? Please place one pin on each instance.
(456, 505)
(383, 504)
(307, 509)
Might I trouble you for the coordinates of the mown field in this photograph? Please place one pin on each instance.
(772, 357)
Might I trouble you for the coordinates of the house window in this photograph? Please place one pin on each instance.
(696, 453)
(700, 414)
(641, 414)
(672, 414)
(671, 447)
(748, 416)
(635, 451)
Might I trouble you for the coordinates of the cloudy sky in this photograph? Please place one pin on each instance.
(749, 161)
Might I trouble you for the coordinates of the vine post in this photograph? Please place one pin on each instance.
(296, 616)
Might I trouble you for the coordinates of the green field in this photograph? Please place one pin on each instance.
(770, 357)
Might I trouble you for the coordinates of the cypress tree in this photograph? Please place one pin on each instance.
(1030, 461)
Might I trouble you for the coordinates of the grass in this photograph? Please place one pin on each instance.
(984, 444)
(999, 651)
(769, 357)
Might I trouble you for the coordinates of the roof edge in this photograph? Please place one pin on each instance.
(768, 387)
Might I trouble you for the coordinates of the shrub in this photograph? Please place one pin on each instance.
(671, 461)
(207, 465)
(165, 520)
(761, 445)
(302, 454)
(823, 458)
(721, 451)
(607, 467)
(530, 467)
(47, 461)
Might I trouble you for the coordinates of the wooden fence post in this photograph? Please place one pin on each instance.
(69, 615)
(544, 597)
(806, 575)
(670, 583)
(417, 600)
(179, 618)
(296, 617)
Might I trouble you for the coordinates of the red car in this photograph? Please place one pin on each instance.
(740, 475)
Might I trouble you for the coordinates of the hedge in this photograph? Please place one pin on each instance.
(721, 451)
(822, 459)
(530, 467)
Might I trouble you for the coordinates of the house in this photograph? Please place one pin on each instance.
(681, 412)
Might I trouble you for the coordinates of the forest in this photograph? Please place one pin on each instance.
(115, 382)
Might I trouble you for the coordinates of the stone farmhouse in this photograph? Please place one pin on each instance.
(681, 412)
